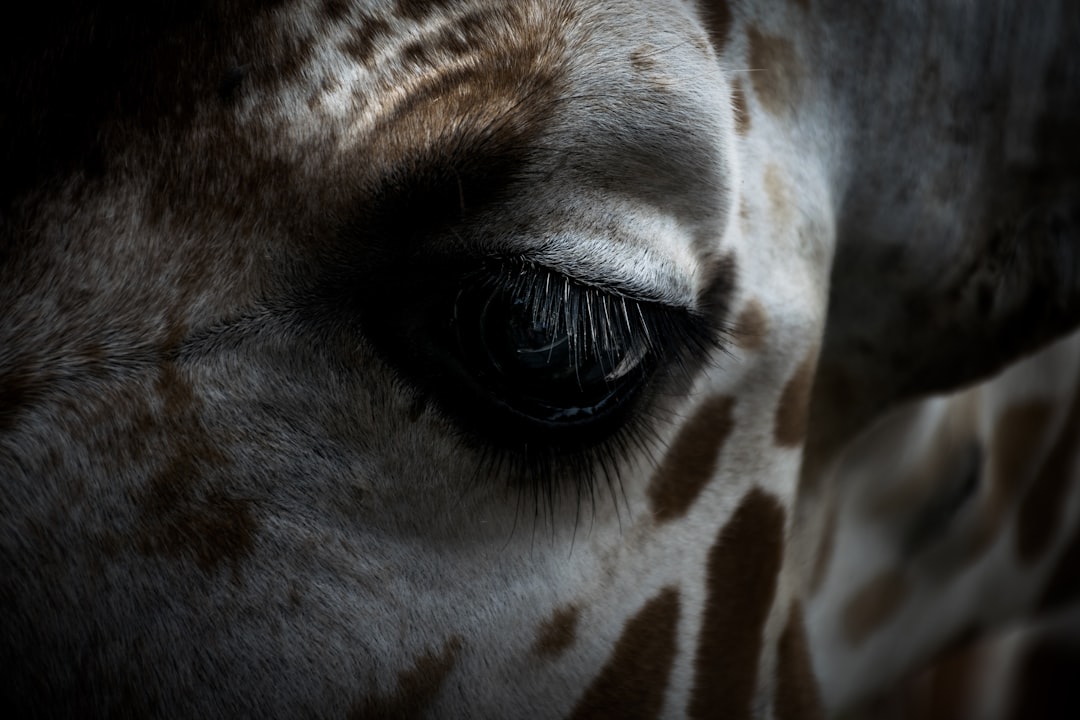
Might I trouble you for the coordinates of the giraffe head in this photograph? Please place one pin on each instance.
(422, 357)
(392, 357)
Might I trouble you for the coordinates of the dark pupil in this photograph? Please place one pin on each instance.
(540, 367)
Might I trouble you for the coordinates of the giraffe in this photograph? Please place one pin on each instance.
(955, 531)
(1025, 669)
(409, 358)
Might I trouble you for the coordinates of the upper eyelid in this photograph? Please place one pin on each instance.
(629, 290)
(662, 284)
(662, 327)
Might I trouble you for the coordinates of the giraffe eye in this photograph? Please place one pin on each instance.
(561, 363)
(525, 360)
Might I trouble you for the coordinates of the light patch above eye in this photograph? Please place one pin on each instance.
(653, 261)
(636, 273)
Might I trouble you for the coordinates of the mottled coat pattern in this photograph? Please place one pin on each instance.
(268, 271)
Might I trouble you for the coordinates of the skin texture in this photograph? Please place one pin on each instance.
(262, 271)
(938, 587)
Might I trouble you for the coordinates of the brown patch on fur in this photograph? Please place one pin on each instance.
(738, 104)
(557, 633)
(1040, 511)
(797, 695)
(777, 73)
(420, 9)
(1017, 437)
(457, 39)
(791, 412)
(335, 10)
(873, 605)
(633, 681)
(642, 59)
(691, 461)
(752, 326)
(780, 200)
(178, 522)
(644, 63)
(716, 15)
(714, 297)
(701, 43)
(835, 390)
(741, 578)
(180, 518)
(804, 4)
(419, 53)
(1046, 682)
(417, 687)
(1063, 587)
(361, 46)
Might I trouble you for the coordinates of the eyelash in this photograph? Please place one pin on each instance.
(594, 316)
(673, 341)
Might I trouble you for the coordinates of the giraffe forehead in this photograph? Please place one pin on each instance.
(481, 86)
(304, 114)
(352, 69)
